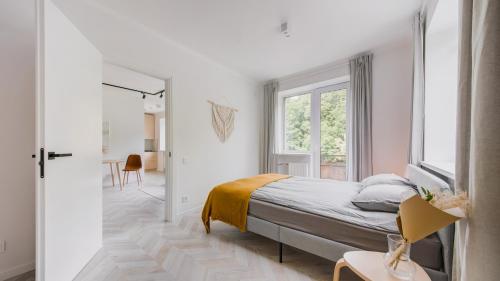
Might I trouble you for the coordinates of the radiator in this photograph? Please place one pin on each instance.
(298, 169)
(294, 164)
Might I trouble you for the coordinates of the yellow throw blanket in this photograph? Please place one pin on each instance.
(229, 201)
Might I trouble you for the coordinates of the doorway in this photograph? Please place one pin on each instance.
(134, 126)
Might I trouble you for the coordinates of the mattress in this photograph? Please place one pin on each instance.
(323, 208)
(328, 198)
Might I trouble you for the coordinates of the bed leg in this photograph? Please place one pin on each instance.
(280, 250)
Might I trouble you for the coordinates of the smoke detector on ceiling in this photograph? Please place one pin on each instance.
(284, 29)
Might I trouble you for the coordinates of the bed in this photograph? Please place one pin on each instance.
(316, 216)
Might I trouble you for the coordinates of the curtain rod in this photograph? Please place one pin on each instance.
(134, 90)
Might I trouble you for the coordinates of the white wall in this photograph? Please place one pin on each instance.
(335, 70)
(200, 160)
(392, 84)
(392, 87)
(125, 113)
(125, 110)
(17, 120)
(195, 79)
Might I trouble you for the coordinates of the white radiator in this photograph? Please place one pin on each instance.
(294, 164)
(298, 169)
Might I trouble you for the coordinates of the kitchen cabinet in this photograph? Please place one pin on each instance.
(150, 160)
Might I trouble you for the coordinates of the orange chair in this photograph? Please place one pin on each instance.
(134, 163)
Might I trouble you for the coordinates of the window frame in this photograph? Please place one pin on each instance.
(315, 130)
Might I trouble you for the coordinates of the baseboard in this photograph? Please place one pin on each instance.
(17, 270)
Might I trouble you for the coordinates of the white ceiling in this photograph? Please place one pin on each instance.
(245, 36)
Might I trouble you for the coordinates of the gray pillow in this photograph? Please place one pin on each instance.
(383, 197)
(385, 179)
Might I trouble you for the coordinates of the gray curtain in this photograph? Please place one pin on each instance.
(360, 150)
(416, 152)
(477, 252)
(269, 136)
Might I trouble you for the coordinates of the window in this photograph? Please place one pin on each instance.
(162, 134)
(315, 122)
(298, 123)
(441, 79)
(333, 135)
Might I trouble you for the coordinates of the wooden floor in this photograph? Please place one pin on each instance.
(154, 184)
(138, 245)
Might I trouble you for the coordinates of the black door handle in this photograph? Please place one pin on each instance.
(53, 155)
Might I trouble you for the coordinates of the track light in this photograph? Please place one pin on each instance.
(143, 93)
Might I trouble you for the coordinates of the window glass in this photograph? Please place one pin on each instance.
(441, 80)
(315, 122)
(333, 134)
(297, 123)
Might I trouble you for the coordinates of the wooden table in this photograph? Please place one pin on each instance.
(370, 267)
(117, 163)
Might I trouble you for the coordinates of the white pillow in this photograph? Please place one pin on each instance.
(383, 197)
(385, 179)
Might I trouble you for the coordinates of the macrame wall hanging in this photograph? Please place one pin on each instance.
(222, 120)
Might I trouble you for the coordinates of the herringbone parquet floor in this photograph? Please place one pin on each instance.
(138, 245)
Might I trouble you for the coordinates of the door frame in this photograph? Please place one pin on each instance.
(171, 209)
(171, 206)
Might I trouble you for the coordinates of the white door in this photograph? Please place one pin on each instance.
(69, 196)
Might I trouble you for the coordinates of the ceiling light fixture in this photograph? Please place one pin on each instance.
(161, 95)
(143, 96)
(284, 29)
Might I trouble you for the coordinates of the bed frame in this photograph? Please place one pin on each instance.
(333, 250)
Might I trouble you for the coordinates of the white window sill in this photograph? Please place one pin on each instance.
(446, 169)
(292, 157)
